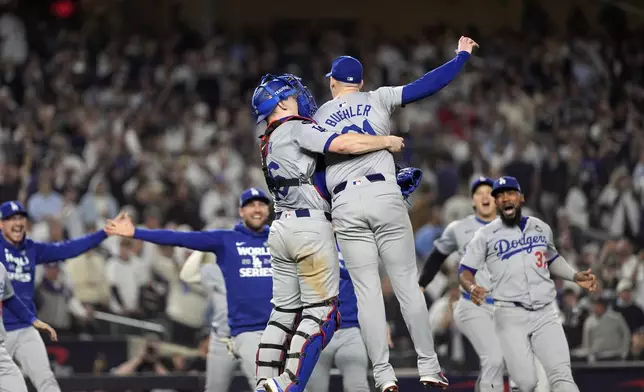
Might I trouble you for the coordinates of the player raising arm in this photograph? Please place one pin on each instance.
(243, 259)
(380, 229)
(520, 255)
(20, 255)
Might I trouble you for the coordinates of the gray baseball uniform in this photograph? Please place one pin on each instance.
(525, 319)
(220, 363)
(11, 379)
(372, 223)
(302, 246)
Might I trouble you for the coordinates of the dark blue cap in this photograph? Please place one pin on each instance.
(253, 194)
(481, 181)
(11, 208)
(346, 69)
(505, 183)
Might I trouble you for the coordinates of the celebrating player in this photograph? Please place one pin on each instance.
(12, 379)
(520, 255)
(475, 322)
(303, 253)
(244, 261)
(20, 256)
(347, 348)
(369, 214)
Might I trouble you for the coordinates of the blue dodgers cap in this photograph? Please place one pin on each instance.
(346, 69)
(253, 194)
(481, 181)
(11, 208)
(505, 183)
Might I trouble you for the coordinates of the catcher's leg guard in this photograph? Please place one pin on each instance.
(276, 338)
(316, 329)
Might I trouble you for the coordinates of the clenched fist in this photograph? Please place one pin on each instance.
(466, 44)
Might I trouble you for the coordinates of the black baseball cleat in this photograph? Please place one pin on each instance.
(390, 387)
(436, 381)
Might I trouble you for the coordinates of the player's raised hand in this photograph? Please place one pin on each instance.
(586, 279)
(122, 227)
(466, 44)
(477, 294)
(47, 328)
(395, 144)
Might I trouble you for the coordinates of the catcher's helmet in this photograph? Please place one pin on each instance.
(273, 89)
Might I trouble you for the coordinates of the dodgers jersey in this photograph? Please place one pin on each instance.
(348, 300)
(294, 151)
(517, 258)
(454, 239)
(20, 262)
(244, 260)
(361, 112)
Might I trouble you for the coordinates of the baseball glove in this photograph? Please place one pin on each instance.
(408, 179)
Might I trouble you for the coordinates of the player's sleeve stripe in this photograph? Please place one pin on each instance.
(553, 259)
(463, 267)
(328, 142)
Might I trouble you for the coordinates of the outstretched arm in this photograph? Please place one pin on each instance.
(433, 81)
(57, 251)
(205, 241)
(431, 267)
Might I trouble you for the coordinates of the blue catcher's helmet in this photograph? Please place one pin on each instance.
(273, 89)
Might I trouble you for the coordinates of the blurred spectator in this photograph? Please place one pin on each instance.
(87, 275)
(46, 202)
(637, 346)
(97, 204)
(126, 275)
(574, 318)
(186, 304)
(624, 305)
(57, 305)
(146, 360)
(428, 233)
(620, 210)
(606, 334)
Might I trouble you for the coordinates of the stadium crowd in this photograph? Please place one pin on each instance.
(92, 123)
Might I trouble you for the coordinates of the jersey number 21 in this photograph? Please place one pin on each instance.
(366, 128)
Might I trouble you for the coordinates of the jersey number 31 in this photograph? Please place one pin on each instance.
(366, 128)
(541, 263)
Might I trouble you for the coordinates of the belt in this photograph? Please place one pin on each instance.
(518, 305)
(370, 177)
(305, 213)
(488, 300)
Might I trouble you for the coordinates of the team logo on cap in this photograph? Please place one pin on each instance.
(14, 206)
(481, 178)
(502, 181)
(254, 192)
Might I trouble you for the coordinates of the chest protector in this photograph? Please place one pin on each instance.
(274, 184)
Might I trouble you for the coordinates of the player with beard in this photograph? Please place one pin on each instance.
(520, 255)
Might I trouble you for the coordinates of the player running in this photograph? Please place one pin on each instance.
(301, 241)
(370, 215)
(347, 348)
(12, 379)
(244, 261)
(475, 322)
(20, 256)
(520, 255)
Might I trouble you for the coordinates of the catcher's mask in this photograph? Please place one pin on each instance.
(273, 89)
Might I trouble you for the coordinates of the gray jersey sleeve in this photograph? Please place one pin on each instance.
(389, 98)
(8, 288)
(551, 251)
(313, 138)
(475, 252)
(447, 243)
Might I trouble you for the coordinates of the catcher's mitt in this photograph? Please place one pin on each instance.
(408, 179)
